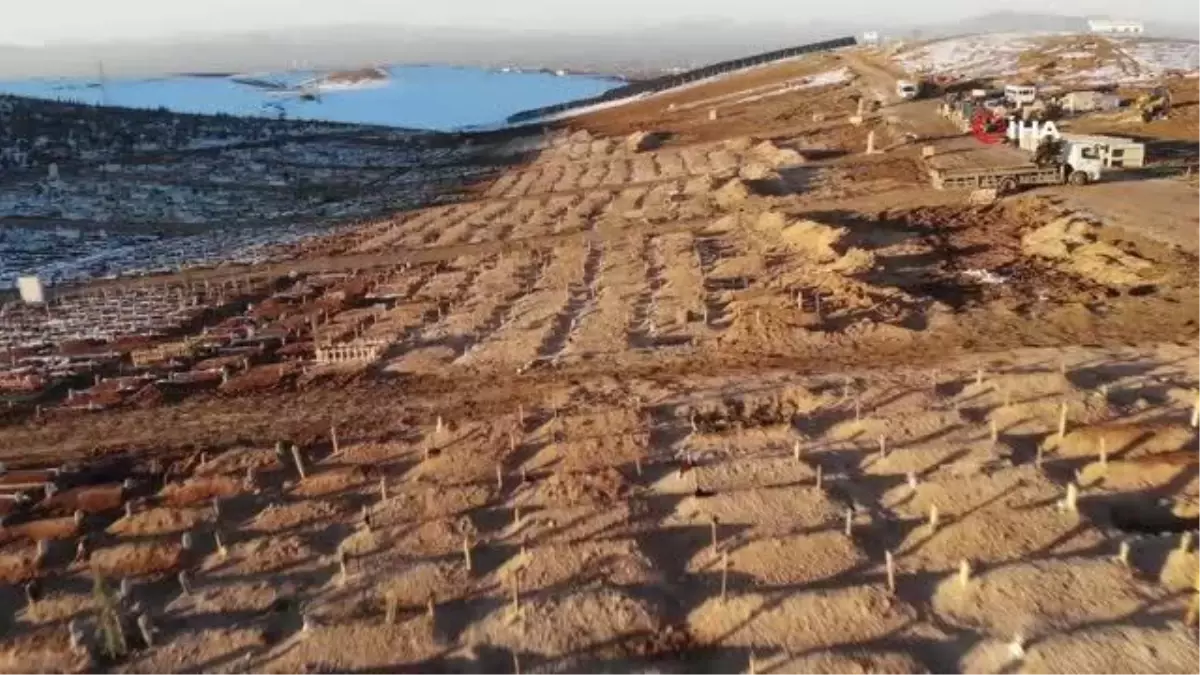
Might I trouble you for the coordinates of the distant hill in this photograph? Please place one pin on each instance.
(347, 47)
(1024, 22)
(1008, 22)
(647, 50)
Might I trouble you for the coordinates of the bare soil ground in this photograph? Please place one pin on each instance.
(711, 406)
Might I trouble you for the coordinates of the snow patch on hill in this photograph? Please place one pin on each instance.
(1056, 57)
(1159, 56)
(970, 56)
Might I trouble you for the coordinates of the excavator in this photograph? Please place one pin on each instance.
(1154, 105)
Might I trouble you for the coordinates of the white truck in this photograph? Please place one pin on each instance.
(907, 89)
(1020, 95)
(1078, 164)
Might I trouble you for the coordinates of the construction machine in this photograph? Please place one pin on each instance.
(1154, 105)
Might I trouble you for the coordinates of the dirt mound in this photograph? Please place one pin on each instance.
(128, 560)
(855, 261)
(767, 328)
(412, 586)
(856, 661)
(732, 194)
(1125, 439)
(200, 489)
(550, 625)
(581, 136)
(795, 560)
(1074, 242)
(18, 568)
(1043, 598)
(1137, 650)
(268, 554)
(816, 241)
(756, 171)
(800, 621)
(555, 566)
(43, 651)
(739, 144)
(776, 156)
(700, 185)
(644, 141)
(160, 521)
(749, 410)
(570, 489)
(602, 147)
(812, 239)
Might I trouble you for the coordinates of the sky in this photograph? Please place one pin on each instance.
(28, 22)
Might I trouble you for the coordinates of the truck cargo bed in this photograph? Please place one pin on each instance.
(1026, 174)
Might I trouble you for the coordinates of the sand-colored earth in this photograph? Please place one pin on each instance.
(666, 395)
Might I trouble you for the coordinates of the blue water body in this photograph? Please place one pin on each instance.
(422, 97)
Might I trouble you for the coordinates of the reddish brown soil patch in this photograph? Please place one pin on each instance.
(200, 489)
(36, 530)
(91, 499)
(129, 560)
(329, 481)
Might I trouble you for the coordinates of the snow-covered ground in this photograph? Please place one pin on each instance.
(1156, 57)
(89, 170)
(1061, 57)
(825, 79)
(833, 77)
(970, 56)
(252, 184)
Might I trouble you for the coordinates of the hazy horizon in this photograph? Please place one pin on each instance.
(261, 41)
(70, 22)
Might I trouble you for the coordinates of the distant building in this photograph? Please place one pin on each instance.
(1087, 101)
(870, 37)
(1111, 27)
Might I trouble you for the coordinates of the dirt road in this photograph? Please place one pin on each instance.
(916, 117)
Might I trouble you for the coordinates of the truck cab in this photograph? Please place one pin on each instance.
(906, 89)
(1085, 160)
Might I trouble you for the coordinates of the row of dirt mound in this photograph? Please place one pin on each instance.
(815, 242)
(1073, 241)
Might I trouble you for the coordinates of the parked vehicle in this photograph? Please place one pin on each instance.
(1076, 164)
